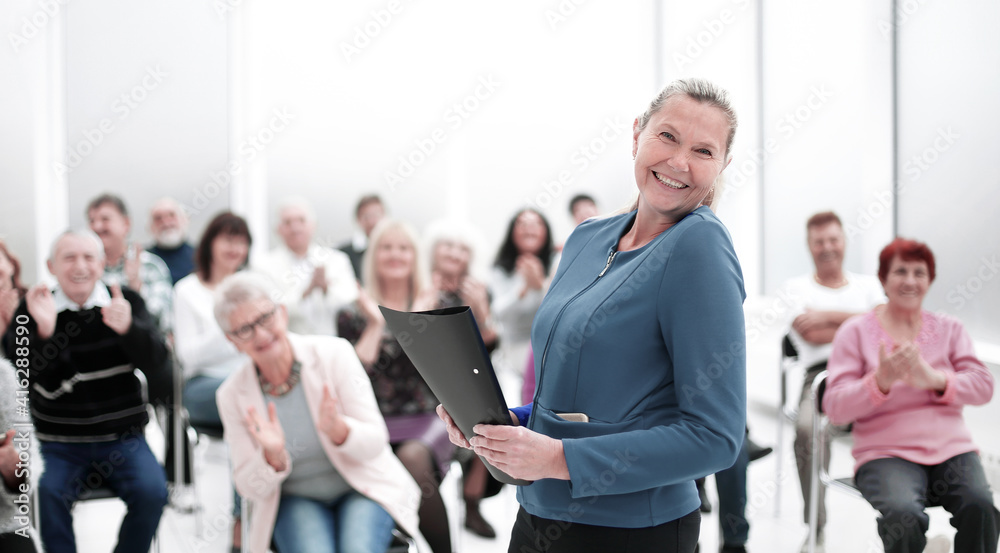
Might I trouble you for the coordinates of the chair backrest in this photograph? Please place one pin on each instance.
(788, 348)
(819, 388)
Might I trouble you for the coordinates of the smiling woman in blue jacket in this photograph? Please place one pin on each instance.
(640, 354)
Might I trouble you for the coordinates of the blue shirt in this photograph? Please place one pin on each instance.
(651, 345)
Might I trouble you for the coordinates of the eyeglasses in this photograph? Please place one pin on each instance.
(245, 332)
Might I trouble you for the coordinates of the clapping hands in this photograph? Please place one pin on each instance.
(904, 363)
(269, 434)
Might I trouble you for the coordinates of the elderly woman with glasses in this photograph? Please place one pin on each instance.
(308, 444)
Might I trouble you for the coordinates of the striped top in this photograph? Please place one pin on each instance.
(83, 386)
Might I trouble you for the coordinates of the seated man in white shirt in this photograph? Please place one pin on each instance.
(315, 281)
(826, 298)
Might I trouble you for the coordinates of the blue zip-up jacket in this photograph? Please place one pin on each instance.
(651, 345)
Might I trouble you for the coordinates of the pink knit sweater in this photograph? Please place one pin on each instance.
(920, 426)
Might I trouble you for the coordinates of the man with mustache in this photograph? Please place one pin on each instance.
(126, 263)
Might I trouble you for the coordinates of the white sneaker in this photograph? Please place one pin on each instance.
(938, 544)
(820, 548)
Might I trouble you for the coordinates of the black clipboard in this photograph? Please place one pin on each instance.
(448, 351)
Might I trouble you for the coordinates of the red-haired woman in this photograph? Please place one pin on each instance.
(902, 375)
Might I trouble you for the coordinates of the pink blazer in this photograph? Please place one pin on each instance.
(365, 460)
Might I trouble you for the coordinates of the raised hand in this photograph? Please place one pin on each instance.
(132, 266)
(892, 366)
(269, 434)
(9, 460)
(118, 315)
(531, 270)
(474, 294)
(9, 300)
(330, 422)
(426, 300)
(919, 373)
(369, 309)
(317, 282)
(42, 308)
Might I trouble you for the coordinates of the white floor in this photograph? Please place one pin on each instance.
(851, 526)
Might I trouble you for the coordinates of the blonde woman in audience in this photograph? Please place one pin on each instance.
(394, 278)
(308, 443)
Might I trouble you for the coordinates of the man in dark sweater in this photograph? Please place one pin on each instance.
(84, 341)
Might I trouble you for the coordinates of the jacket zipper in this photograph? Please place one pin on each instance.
(559, 315)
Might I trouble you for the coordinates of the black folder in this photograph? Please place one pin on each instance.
(446, 348)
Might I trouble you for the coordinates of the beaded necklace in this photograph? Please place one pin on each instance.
(284, 387)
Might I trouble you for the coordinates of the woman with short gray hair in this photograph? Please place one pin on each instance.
(308, 444)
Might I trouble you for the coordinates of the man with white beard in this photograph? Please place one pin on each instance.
(168, 223)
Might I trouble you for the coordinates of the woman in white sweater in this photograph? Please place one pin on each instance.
(205, 355)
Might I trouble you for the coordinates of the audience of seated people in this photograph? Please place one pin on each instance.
(314, 282)
(316, 293)
(86, 402)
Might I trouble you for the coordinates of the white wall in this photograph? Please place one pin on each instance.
(827, 110)
(453, 108)
(949, 86)
(716, 41)
(562, 71)
(147, 82)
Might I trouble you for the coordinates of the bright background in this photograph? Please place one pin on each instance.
(529, 103)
